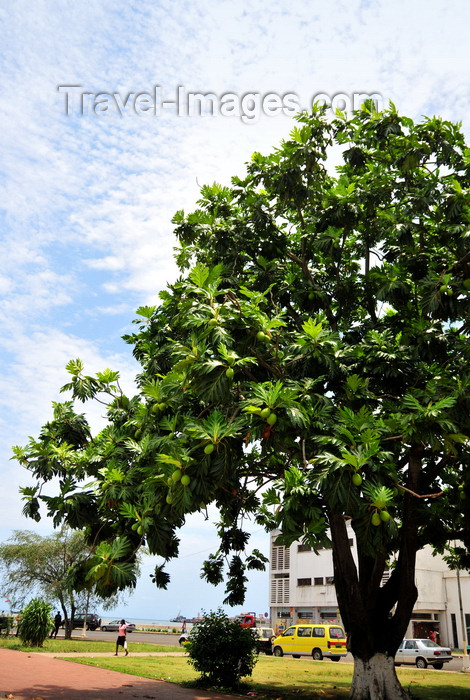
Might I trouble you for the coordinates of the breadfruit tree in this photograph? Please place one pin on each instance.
(309, 370)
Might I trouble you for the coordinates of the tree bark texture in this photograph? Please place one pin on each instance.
(376, 679)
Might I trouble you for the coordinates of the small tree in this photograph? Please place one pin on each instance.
(221, 650)
(35, 623)
(54, 567)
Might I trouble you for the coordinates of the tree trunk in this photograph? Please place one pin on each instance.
(68, 629)
(376, 616)
(85, 624)
(376, 679)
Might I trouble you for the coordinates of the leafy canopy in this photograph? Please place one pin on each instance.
(311, 362)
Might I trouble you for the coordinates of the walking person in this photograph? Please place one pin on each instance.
(121, 641)
(57, 624)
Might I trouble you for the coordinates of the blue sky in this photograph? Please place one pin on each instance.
(87, 200)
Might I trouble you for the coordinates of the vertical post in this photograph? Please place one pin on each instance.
(465, 661)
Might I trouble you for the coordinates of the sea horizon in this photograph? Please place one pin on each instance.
(147, 621)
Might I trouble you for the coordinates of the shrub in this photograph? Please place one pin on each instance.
(221, 650)
(35, 623)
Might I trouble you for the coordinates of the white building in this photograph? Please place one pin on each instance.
(302, 588)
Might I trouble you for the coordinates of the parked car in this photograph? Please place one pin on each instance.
(114, 625)
(266, 637)
(317, 641)
(422, 653)
(92, 621)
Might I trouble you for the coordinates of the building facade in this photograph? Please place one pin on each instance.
(302, 589)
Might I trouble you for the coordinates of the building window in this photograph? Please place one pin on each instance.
(318, 581)
(329, 580)
(280, 557)
(304, 581)
(330, 615)
(304, 548)
(280, 589)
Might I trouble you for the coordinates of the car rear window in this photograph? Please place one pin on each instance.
(429, 643)
(336, 633)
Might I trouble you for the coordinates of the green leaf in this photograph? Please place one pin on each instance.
(154, 389)
(167, 459)
(199, 275)
(160, 577)
(146, 311)
(74, 367)
(312, 329)
(108, 376)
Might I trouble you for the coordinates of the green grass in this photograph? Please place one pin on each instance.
(287, 679)
(81, 646)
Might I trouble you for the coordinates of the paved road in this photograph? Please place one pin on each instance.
(172, 640)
